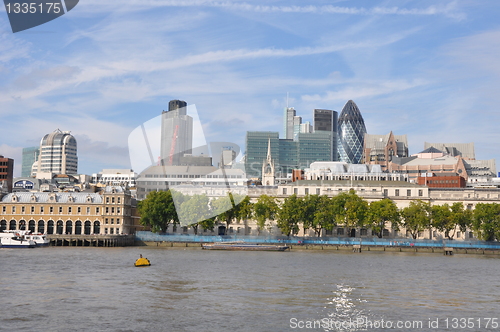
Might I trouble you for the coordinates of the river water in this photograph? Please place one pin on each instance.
(99, 289)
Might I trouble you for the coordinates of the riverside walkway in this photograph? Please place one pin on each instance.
(401, 244)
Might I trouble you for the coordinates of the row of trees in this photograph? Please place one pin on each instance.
(318, 213)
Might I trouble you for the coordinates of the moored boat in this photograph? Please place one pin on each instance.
(11, 239)
(39, 239)
(243, 246)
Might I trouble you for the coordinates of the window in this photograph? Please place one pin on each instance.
(118, 210)
(408, 192)
(107, 199)
(420, 192)
(88, 209)
(112, 220)
(13, 209)
(112, 199)
(459, 235)
(306, 191)
(284, 191)
(471, 235)
(51, 209)
(4, 209)
(41, 209)
(118, 221)
(118, 200)
(386, 192)
(317, 193)
(107, 210)
(22, 209)
(32, 209)
(340, 231)
(385, 232)
(363, 232)
(106, 221)
(60, 210)
(396, 193)
(112, 210)
(69, 209)
(96, 210)
(295, 191)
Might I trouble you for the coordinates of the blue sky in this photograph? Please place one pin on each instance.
(427, 69)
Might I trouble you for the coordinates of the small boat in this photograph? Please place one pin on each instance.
(142, 262)
(12, 239)
(243, 246)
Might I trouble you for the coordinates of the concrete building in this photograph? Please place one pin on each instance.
(114, 177)
(6, 174)
(107, 212)
(189, 179)
(350, 132)
(465, 150)
(432, 160)
(30, 156)
(176, 133)
(58, 154)
(380, 149)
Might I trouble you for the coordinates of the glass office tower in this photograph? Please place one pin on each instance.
(351, 131)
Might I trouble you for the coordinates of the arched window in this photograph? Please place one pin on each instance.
(41, 226)
(50, 227)
(97, 227)
(78, 227)
(59, 229)
(87, 227)
(31, 226)
(69, 227)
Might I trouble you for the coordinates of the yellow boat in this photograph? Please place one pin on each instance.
(142, 262)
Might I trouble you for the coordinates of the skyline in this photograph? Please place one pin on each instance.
(420, 69)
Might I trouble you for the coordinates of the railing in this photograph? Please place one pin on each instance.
(347, 241)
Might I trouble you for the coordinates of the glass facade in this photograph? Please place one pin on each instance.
(351, 131)
(30, 155)
(326, 120)
(256, 150)
(287, 154)
(314, 147)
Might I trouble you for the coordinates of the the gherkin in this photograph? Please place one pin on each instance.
(350, 134)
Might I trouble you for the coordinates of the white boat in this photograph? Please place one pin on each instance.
(39, 238)
(13, 239)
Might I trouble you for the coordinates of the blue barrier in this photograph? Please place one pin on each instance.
(402, 242)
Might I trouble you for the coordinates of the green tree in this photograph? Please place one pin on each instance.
(380, 212)
(461, 216)
(486, 221)
(324, 215)
(416, 217)
(350, 210)
(289, 215)
(194, 211)
(264, 209)
(158, 211)
(226, 208)
(244, 211)
(310, 205)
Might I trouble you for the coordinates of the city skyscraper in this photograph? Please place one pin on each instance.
(291, 123)
(326, 120)
(351, 131)
(30, 156)
(176, 133)
(58, 154)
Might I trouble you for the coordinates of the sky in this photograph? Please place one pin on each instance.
(426, 69)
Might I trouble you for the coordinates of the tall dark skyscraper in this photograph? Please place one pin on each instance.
(350, 132)
(176, 133)
(326, 120)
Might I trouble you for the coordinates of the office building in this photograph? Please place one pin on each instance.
(465, 150)
(380, 149)
(30, 156)
(176, 133)
(6, 174)
(326, 120)
(58, 154)
(351, 131)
